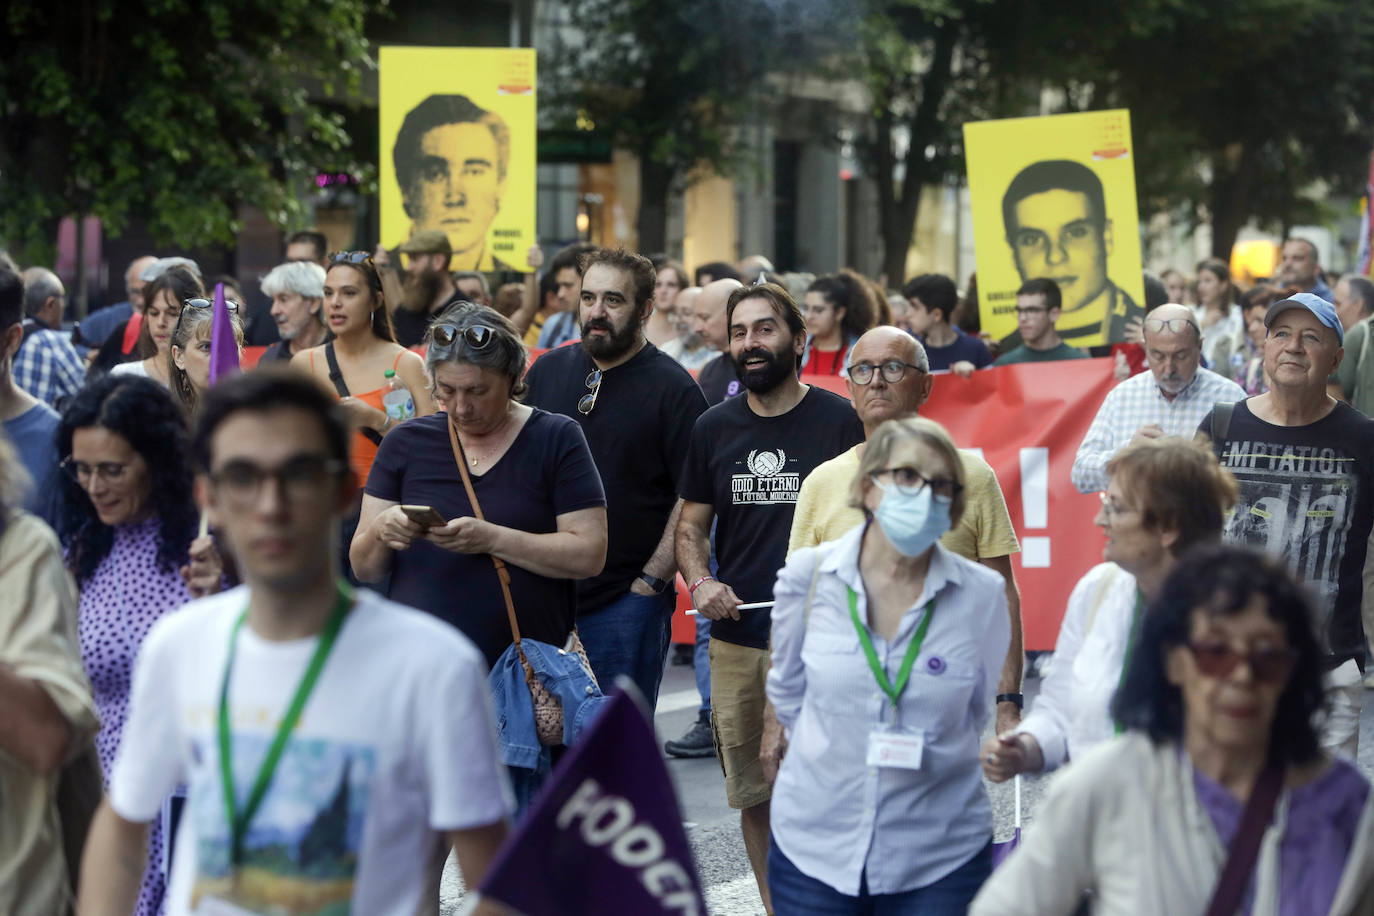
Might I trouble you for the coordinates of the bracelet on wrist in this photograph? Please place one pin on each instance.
(1018, 699)
(696, 584)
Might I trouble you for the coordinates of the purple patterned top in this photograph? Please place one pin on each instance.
(119, 604)
(1322, 820)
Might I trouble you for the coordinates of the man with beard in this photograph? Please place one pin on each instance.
(636, 407)
(1169, 400)
(428, 288)
(745, 465)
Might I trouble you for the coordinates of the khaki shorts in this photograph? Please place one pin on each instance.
(737, 701)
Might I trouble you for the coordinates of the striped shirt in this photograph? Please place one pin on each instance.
(1138, 402)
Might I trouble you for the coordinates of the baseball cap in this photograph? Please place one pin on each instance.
(430, 241)
(1323, 310)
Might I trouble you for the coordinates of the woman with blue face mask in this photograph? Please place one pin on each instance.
(886, 654)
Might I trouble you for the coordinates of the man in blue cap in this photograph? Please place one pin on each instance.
(1305, 464)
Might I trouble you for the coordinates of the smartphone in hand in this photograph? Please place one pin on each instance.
(425, 515)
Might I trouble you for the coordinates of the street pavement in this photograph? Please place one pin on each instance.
(713, 828)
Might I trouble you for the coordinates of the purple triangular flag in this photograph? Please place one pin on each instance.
(605, 834)
(224, 350)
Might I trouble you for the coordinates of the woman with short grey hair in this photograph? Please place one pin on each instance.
(297, 292)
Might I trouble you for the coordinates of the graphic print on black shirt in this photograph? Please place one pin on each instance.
(1305, 496)
(749, 469)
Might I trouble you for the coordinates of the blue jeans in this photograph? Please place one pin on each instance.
(701, 663)
(797, 894)
(630, 636)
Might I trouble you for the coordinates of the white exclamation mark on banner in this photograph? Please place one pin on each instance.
(1035, 506)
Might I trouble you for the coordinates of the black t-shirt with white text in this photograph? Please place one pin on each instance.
(749, 469)
(638, 433)
(1307, 495)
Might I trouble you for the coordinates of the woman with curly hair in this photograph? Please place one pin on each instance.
(127, 521)
(839, 308)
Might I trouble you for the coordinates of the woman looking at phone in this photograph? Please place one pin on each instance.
(534, 478)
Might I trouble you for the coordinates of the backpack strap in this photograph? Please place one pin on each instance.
(336, 376)
(1221, 421)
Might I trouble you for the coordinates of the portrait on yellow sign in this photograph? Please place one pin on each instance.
(1054, 198)
(458, 146)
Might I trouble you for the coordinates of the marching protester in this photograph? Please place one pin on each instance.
(1218, 315)
(297, 292)
(1163, 497)
(348, 795)
(162, 308)
(516, 510)
(636, 407)
(127, 523)
(745, 464)
(670, 279)
(47, 366)
(1255, 304)
(838, 309)
(190, 350)
(30, 424)
(49, 714)
(878, 806)
(1219, 798)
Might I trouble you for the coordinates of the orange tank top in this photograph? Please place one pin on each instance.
(364, 450)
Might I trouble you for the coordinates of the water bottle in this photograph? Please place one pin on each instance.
(396, 399)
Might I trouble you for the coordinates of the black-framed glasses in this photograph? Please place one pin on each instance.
(300, 478)
(910, 481)
(1171, 325)
(81, 472)
(588, 400)
(476, 335)
(1268, 664)
(893, 371)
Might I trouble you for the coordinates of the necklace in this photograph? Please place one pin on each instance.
(497, 433)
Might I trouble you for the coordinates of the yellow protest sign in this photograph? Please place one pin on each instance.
(458, 148)
(1054, 197)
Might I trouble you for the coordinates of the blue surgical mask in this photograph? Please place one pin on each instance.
(912, 522)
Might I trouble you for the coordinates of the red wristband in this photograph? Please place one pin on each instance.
(693, 589)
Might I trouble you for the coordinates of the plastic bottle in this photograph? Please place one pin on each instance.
(396, 399)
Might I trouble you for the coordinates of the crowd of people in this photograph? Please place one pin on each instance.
(290, 636)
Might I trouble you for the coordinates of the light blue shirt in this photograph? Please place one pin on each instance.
(1138, 402)
(836, 817)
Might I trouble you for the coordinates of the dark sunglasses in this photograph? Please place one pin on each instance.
(1268, 664)
(477, 335)
(588, 400)
(351, 257)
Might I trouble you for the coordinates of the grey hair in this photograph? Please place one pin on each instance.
(504, 354)
(304, 278)
(40, 285)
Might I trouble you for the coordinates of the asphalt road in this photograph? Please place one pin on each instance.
(713, 827)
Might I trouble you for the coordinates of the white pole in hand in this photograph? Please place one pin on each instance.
(752, 606)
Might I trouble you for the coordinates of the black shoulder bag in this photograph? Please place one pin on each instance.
(336, 376)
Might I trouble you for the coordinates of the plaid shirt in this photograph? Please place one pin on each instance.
(48, 366)
(1138, 402)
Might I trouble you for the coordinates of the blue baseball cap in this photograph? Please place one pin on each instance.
(1325, 312)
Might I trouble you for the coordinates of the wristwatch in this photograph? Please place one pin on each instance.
(1014, 698)
(655, 583)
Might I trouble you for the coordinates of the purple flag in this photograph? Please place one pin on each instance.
(605, 833)
(224, 350)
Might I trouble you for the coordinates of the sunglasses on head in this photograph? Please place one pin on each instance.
(477, 335)
(351, 257)
(1268, 664)
(199, 303)
(1171, 325)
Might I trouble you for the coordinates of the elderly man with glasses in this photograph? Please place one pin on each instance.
(889, 378)
(1169, 400)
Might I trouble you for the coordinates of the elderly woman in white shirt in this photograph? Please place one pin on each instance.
(886, 655)
(1163, 496)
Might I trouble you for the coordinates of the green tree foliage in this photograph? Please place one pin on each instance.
(173, 111)
(671, 80)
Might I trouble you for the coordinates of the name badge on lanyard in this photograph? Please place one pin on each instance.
(889, 744)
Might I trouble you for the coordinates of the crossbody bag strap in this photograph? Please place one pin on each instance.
(1221, 421)
(502, 573)
(336, 376)
(1240, 858)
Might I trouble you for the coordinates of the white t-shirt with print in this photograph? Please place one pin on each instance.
(396, 744)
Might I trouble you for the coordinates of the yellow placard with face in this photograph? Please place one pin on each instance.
(458, 149)
(1054, 198)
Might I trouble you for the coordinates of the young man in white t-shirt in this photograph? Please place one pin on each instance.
(393, 756)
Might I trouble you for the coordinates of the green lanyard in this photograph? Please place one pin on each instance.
(1136, 617)
(894, 693)
(239, 820)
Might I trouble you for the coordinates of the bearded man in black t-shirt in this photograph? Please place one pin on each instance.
(1305, 465)
(745, 464)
